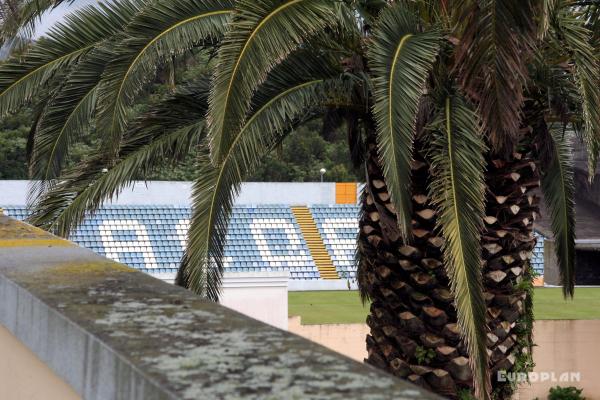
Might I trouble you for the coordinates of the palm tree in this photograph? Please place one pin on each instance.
(455, 110)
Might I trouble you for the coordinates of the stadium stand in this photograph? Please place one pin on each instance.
(152, 239)
(338, 225)
(537, 261)
(260, 238)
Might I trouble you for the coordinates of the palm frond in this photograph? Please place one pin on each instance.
(166, 133)
(158, 33)
(196, 262)
(401, 58)
(497, 40)
(548, 9)
(217, 187)
(20, 17)
(103, 183)
(559, 87)
(457, 190)
(260, 35)
(571, 31)
(279, 104)
(66, 116)
(558, 187)
(22, 77)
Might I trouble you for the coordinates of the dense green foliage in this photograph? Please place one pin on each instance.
(13, 142)
(565, 393)
(299, 158)
(14, 131)
(303, 153)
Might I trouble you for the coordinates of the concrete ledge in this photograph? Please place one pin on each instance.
(113, 333)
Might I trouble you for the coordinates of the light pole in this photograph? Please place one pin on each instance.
(322, 171)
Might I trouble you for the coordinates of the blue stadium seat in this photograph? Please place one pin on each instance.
(259, 238)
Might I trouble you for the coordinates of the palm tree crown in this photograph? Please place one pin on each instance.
(456, 85)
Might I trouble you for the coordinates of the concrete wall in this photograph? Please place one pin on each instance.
(569, 346)
(310, 285)
(346, 339)
(287, 193)
(23, 376)
(561, 347)
(178, 193)
(551, 274)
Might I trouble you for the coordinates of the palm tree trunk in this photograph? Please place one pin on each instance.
(508, 241)
(412, 319)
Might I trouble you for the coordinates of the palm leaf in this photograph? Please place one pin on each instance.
(282, 100)
(77, 199)
(216, 187)
(262, 33)
(195, 263)
(166, 133)
(558, 187)
(498, 37)
(401, 58)
(457, 191)
(155, 35)
(548, 9)
(560, 88)
(66, 116)
(23, 16)
(571, 31)
(21, 78)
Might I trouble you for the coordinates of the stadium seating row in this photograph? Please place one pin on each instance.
(259, 238)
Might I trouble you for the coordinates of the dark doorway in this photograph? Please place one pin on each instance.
(587, 270)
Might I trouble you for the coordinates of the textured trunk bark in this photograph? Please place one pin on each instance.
(508, 241)
(414, 334)
(412, 319)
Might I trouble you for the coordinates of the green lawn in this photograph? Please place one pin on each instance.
(335, 307)
(344, 307)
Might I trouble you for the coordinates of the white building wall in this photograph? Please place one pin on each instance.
(260, 295)
(179, 193)
(292, 193)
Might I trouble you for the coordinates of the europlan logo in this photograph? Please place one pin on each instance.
(543, 376)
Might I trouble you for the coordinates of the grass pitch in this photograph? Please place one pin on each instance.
(345, 307)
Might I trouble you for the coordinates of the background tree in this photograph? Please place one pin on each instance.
(298, 159)
(454, 110)
(14, 130)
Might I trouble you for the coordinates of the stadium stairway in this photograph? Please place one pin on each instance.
(314, 241)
